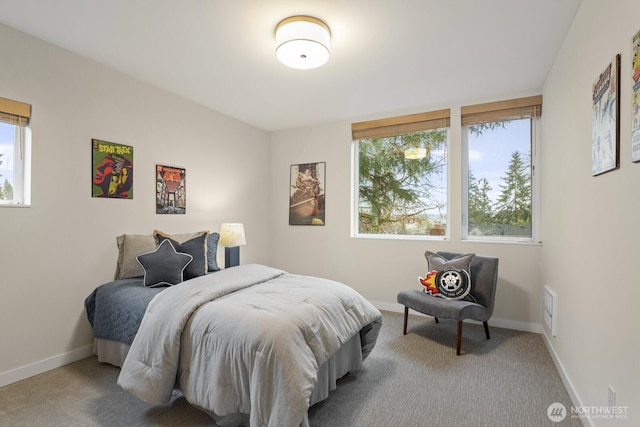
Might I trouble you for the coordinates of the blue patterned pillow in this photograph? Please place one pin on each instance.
(212, 252)
(164, 266)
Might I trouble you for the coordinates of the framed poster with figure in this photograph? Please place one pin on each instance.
(307, 194)
(171, 190)
(112, 170)
(605, 120)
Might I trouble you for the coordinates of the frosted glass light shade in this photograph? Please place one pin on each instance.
(232, 234)
(302, 42)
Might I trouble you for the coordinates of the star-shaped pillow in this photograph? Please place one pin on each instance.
(164, 266)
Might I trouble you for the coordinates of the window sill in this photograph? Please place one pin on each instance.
(414, 237)
(504, 241)
(13, 205)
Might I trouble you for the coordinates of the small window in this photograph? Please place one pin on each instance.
(15, 153)
(400, 175)
(499, 198)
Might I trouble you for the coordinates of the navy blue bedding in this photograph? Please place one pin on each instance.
(115, 309)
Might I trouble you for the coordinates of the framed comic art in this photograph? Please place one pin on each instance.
(112, 170)
(635, 98)
(605, 120)
(307, 194)
(171, 190)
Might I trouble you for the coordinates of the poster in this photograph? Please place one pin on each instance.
(171, 190)
(307, 194)
(112, 170)
(635, 98)
(605, 123)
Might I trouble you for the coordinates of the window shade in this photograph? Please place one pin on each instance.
(512, 109)
(14, 112)
(394, 126)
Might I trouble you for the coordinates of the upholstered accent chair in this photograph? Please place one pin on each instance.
(484, 277)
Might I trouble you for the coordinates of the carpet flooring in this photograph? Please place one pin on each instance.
(412, 380)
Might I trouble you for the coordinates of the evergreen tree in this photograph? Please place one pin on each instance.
(6, 190)
(514, 204)
(395, 191)
(479, 209)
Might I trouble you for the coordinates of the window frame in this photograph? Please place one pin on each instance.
(535, 186)
(18, 114)
(389, 127)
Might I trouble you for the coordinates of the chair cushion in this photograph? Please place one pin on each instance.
(440, 307)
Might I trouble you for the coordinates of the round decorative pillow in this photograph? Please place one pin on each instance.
(453, 283)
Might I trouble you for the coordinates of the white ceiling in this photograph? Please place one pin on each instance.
(387, 55)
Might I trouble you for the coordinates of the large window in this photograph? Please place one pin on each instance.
(400, 167)
(14, 153)
(499, 200)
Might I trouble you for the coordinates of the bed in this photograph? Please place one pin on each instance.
(248, 345)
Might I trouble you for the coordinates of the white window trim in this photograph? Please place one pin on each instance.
(355, 185)
(535, 192)
(21, 169)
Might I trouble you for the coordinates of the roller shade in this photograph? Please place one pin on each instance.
(394, 126)
(512, 109)
(14, 112)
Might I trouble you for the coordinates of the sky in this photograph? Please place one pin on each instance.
(490, 153)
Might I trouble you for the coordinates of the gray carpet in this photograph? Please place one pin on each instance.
(412, 380)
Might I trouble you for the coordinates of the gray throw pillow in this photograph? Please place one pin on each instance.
(438, 262)
(164, 266)
(197, 248)
(453, 278)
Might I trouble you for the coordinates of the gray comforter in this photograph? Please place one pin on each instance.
(248, 339)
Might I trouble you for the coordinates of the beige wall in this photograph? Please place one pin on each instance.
(590, 230)
(55, 253)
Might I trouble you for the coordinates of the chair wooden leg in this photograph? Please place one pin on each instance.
(406, 315)
(486, 330)
(459, 338)
(437, 321)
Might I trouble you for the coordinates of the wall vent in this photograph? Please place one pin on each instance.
(550, 303)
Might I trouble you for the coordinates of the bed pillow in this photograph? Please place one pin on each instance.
(450, 279)
(129, 247)
(180, 238)
(164, 266)
(212, 252)
(197, 248)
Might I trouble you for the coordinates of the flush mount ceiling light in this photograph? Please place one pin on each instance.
(302, 42)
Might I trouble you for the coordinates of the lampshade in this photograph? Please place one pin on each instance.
(302, 42)
(232, 234)
(415, 153)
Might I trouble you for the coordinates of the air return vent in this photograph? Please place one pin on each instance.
(550, 303)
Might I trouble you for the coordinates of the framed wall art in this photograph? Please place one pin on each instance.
(171, 190)
(605, 120)
(112, 170)
(635, 98)
(307, 194)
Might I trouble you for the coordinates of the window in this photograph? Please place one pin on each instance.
(499, 140)
(14, 153)
(400, 175)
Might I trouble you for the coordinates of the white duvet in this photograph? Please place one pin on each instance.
(248, 339)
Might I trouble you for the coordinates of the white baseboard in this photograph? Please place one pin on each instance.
(575, 399)
(24, 372)
(497, 322)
